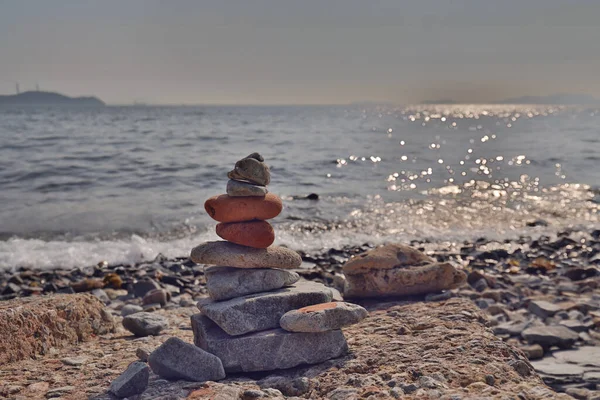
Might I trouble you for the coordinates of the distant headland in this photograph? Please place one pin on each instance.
(37, 98)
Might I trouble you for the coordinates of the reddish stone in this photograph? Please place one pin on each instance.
(318, 307)
(224, 208)
(258, 234)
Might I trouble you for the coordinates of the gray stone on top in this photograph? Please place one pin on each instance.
(225, 283)
(323, 317)
(252, 170)
(243, 189)
(131, 382)
(262, 311)
(235, 255)
(548, 336)
(145, 323)
(267, 350)
(256, 156)
(176, 359)
(542, 308)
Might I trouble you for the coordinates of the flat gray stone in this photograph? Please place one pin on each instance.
(323, 317)
(176, 359)
(547, 336)
(145, 323)
(584, 355)
(575, 325)
(250, 169)
(512, 328)
(262, 311)
(243, 189)
(225, 283)
(553, 368)
(543, 309)
(131, 382)
(267, 350)
(234, 255)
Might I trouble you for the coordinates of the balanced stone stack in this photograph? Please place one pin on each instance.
(258, 317)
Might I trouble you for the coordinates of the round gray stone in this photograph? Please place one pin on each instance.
(244, 189)
(145, 323)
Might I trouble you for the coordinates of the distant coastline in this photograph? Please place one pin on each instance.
(36, 98)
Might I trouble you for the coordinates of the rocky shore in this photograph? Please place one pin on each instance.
(530, 309)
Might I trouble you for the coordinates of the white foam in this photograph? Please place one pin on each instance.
(35, 253)
(439, 219)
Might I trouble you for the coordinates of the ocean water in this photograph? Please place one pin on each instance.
(123, 184)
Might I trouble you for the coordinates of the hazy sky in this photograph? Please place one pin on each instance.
(300, 51)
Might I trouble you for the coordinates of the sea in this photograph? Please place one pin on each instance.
(124, 183)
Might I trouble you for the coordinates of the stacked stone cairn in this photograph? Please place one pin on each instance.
(259, 316)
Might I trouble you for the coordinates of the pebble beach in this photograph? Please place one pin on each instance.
(493, 273)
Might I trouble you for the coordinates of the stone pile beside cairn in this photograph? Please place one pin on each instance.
(259, 316)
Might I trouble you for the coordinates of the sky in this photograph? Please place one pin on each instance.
(300, 52)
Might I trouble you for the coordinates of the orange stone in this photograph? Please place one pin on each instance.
(258, 234)
(318, 307)
(223, 208)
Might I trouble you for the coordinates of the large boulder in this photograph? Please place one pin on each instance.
(398, 270)
(32, 326)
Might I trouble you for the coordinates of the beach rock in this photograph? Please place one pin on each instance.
(548, 336)
(386, 257)
(533, 352)
(140, 288)
(145, 323)
(131, 382)
(398, 270)
(129, 309)
(543, 309)
(404, 281)
(512, 328)
(575, 325)
(234, 255)
(252, 170)
(243, 189)
(267, 350)
(262, 311)
(157, 296)
(588, 356)
(323, 317)
(176, 359)
(553, 371)
(258, 234)
(224, 208)
(225, 283)
(287, 386)
(30, 326)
